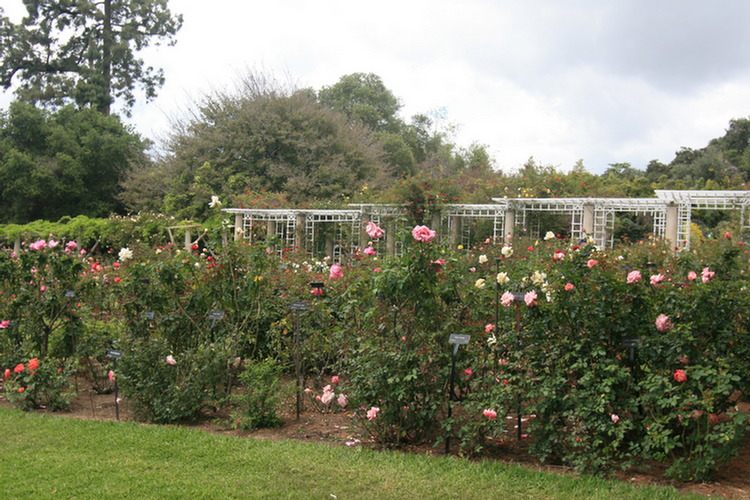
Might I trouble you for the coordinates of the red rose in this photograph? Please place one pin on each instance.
(680, 376)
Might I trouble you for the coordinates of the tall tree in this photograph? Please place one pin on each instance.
(84, 51)
(364, 97)
(261, 137)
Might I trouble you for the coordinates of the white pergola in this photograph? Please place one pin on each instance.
(342, 231)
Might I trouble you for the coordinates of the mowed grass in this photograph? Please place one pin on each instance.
(52, 457)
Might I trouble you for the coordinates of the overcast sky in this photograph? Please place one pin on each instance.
(602, 81)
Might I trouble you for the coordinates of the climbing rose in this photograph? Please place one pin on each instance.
(370, 251)
(706, 275)
(19, 368)
(373, 231)
(372, 413)
(491, 414)
(423, 234)
(634, 277)
(33, 364)
(680, 376)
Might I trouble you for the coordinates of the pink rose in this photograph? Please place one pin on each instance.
(327, 397)
(468, 372)
(615, 418)
(569, 287)
(680, 376)
(335, 379)
(728, 235)
(376, 270)
(370, 251)
(559, 255)
(111, 375)
(336, 272)
(489, 327)
(507, 299)
(38, 245)
(438, 264)
(491, 414)
(372, 413)
(423, 234)
(706, 275)
(591, 263)
(71, 245)
(530, 298)
(634, 277)
(692, 276)
(4, 324)
(42, 288)
(657, 278)
(663, 324)
(171, 360)
(373, 231)
(342, 400)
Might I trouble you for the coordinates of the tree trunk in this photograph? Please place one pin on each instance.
(104, 99)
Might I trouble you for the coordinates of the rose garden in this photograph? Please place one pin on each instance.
(622, 356)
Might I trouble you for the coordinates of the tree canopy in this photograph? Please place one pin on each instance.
(65, 163)
(84, 51)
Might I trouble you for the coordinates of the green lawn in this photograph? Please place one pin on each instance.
(52, 457)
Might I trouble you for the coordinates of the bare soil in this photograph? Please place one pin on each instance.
(732, 480)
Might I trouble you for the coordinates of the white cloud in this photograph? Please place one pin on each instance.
(618, 81)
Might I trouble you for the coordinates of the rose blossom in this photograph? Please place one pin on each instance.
(680, 376)
(423, 234)
(38, 245)
(327, 397)
(634, 277)
(663, 324)
(530, 298)
(692, 276)
(507, 251)
(591, 263)
(373, 231)
(4, 324)
(489, 327)
(507, 299)
(336, 272)
(372, 413)
(171, 360)
(559, 255)
(569, 287)
(111, 375)
(491, 414)
(706, 275)
(335, 379)
(7, 373)
(615, 418)
(370, 251)
(19, 368)
(342, 400)
(657, 278)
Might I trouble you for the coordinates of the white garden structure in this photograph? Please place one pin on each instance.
(339, 232)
